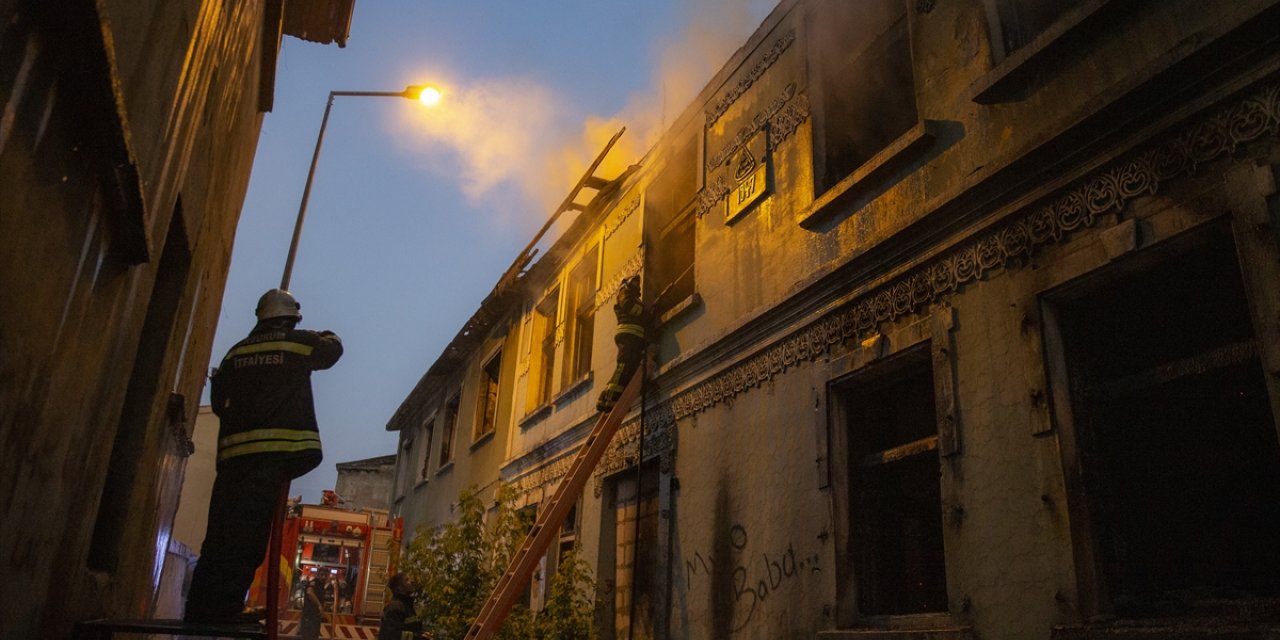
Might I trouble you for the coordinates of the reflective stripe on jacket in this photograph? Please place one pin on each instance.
(630, 329)
(267, 441)
(262, 394)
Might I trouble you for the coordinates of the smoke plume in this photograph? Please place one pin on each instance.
(513, 137)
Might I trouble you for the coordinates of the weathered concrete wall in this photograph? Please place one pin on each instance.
(126, 141)
(428, 501)
(751, 546)
(192, 516)
(366, 484)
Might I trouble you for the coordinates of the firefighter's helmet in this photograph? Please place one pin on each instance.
(278, 303)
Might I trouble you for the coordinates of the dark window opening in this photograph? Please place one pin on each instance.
(1181, 466)
(140, 403)
(424, 458)
(545, 319)
(488, 409)
(526, 517)
(568, 535)
(670, 231)
(636, 555)
(450, 419)
(865, 84)
(581, 316)
(404, 474)
(895, 495)
(326, 553)
(1018, 22)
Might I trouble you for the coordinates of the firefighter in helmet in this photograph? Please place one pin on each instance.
(630, 339)
(261, 392)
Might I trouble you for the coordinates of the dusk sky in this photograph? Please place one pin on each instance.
(415, 212)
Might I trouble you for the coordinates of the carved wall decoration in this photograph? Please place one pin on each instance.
(771, 56)
(715, 191)
(614, 222)
(604, 295)
(1107, 190)
(788, 121)
(659, 442)
(780, 118)
(744, 135)
(750, 177)
(747, 164)
(541, 476)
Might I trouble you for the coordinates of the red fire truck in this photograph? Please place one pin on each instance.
(352, 549)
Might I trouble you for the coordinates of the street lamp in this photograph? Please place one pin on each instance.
(427, 95)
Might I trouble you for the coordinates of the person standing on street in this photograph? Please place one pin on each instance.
(399, 620)
(268, 436)
(312, 606)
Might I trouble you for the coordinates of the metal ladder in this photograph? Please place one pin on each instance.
(546, 529)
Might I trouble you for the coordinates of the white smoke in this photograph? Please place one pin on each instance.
(506, 134)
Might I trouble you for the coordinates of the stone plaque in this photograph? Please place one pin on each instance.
(750, 179)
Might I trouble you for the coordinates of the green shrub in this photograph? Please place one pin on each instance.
(455, 566)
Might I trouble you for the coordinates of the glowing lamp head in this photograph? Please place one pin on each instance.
(429, 96)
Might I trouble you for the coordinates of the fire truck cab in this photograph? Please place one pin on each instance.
(352, 549)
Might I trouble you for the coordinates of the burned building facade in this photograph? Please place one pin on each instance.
(968, 326)
(127, 134)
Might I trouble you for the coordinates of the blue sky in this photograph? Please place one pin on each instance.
(415, 212)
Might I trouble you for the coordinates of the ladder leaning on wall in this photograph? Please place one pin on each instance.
(545, 530)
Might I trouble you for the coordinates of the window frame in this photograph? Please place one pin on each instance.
(540, 384)
(860, 184)
(449, 431)
(1014, 73)
(423, 462)
(404, 480)
(1053, 302)
(486, 419)
(580, 312)
(669, 213)
(868, 361)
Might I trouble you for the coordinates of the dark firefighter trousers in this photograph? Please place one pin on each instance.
(240, 513)
(630, 351)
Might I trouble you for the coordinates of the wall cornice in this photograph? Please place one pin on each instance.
(719, 107)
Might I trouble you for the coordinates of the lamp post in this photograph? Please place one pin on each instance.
(426, 94)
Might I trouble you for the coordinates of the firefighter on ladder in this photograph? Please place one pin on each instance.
(630, 339)
(268, 436)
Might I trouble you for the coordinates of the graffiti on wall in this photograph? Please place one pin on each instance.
(755, 575)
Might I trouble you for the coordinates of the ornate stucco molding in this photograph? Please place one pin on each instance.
(1007, 245)
(748, 131)
(630, 268)
(782, 118)
(541, 476)
(757, 70)
(614, 222)
(788, 121)
(623, 451)
(712, 193)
